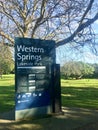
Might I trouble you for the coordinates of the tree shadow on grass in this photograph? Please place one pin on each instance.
(83, 97)
(7, 95)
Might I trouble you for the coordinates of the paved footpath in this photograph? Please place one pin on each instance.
(71, 119)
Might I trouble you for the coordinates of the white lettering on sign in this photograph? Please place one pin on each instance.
(24, 48)
(31, 53)
(28, 57)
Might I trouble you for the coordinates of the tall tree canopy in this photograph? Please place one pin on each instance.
(65, 21)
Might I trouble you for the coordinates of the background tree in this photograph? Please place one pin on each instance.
(6, 60)
(88, 70)
(77, 70)
(65, 21)
(71, 69)
(96, 70)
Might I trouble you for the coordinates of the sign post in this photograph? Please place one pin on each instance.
(33, 61)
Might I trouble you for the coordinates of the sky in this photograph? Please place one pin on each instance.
(64, 53)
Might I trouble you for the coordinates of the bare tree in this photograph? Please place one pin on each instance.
(65, 21)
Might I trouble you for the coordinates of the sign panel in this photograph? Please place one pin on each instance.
(33, 60)
(31, 52)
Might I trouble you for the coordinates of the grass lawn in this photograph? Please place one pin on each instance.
(75, 93)
(7, 93)
(80, 93)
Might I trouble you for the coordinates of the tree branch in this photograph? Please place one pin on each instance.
(11, 18)
(80, 27)
(6, 36)
(87, 10)
(41, 16)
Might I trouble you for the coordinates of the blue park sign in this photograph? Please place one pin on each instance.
(33, 61)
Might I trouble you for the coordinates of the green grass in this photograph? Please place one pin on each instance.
(80, 93)
(7, 93)
(75, 93)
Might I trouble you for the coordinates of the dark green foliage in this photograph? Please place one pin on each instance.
(95, 75)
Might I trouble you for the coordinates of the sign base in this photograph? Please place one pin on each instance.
(31, 113)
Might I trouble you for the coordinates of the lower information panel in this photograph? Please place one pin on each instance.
(32, 104)
(33, 112)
